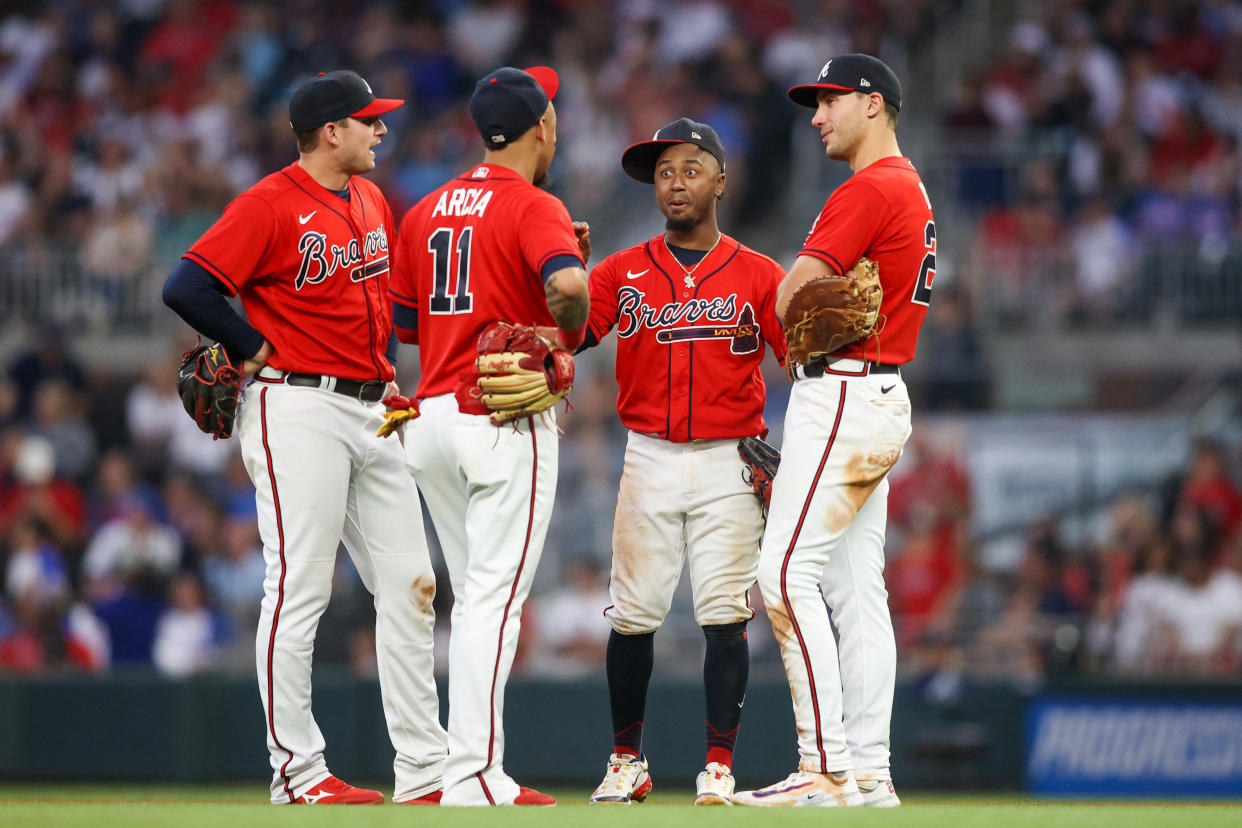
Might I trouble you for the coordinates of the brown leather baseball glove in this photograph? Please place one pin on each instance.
(521, 371)
(830, 313)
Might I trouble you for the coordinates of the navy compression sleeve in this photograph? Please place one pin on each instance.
(198, 298)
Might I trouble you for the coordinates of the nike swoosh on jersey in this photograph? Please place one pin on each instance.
(884, 389)
(302, 219)
(629, 274)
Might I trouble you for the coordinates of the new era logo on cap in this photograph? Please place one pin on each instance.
(864, 82)
(510, 101)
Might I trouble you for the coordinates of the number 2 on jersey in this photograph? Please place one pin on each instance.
(440, 245)
(927, 270)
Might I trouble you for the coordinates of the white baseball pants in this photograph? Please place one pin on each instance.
(490, 491)
(826, 527)
(679, 501)
(322, 476)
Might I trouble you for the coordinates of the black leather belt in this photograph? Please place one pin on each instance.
(370, 391)
(817, 369)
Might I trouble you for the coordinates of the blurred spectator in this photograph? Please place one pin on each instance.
(60, 418)
(116, 251)
(35, 565)
(44, 639)
(570, 633)
(187, 632)
(34, 489)
(1150, 589)
(951, 363)
(15, 200)
(234, 575)
(1208, 489)
(131, 615)
(49, 359)
(130, 544)
(1199, 620)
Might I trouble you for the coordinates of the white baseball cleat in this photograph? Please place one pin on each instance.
(626, 780)
(877, 793)
(714, 785)
(802, 789)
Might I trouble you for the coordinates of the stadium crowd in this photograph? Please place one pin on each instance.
(128, 537)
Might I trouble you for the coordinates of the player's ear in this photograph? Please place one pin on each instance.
(720, 185)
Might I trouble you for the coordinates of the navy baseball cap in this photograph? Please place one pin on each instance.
(851, 73)
(331, 96)
(510, 101)
(639, 161)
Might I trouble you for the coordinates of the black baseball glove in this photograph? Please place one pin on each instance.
(761, 462)
(208, 384)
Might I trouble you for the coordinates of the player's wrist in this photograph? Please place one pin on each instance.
(570, 340)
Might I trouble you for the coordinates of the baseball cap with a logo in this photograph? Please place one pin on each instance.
(510, 101)
(639, 161)
(331, 96)
(851, 73)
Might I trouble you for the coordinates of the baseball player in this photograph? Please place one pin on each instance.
(488, 246)
(692, 308)
(847, 421)
(306, 249)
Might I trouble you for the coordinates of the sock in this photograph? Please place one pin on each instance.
(628, 663)
(726, 667)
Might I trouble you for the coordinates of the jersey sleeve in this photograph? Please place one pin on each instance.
(546, 232)
(233, 249)
(771, 279)
(602, 287)
(401, 283)
(849, 223)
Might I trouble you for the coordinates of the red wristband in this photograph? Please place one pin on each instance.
(570, 340)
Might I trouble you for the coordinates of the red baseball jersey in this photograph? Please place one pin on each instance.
(311, 270)
(689, 346)
(882, 212)
(470, 254)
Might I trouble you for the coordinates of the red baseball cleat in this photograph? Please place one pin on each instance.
(530, 796)
(333, 791)
(432, 798)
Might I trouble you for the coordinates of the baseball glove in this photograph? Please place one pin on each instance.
(521, 371)
(761, 461)
(399, 410)
(830, 313)
(208, 384)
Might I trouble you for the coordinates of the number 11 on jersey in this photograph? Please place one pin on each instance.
(440, 245)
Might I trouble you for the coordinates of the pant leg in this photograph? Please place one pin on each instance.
(295, 446)
(384, 533)
(508, 476)
(854, 589)
(837, 449)
(724, 523)
(853, 585)
(648, 535)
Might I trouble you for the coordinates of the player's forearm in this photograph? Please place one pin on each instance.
(568, 299)
(805, 269)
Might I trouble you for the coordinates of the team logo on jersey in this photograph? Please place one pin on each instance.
(722, 318)
(320, 260)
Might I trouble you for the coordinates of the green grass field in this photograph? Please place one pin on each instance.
(105, 806)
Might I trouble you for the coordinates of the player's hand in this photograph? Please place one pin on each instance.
(255, 363)
(583, 231)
